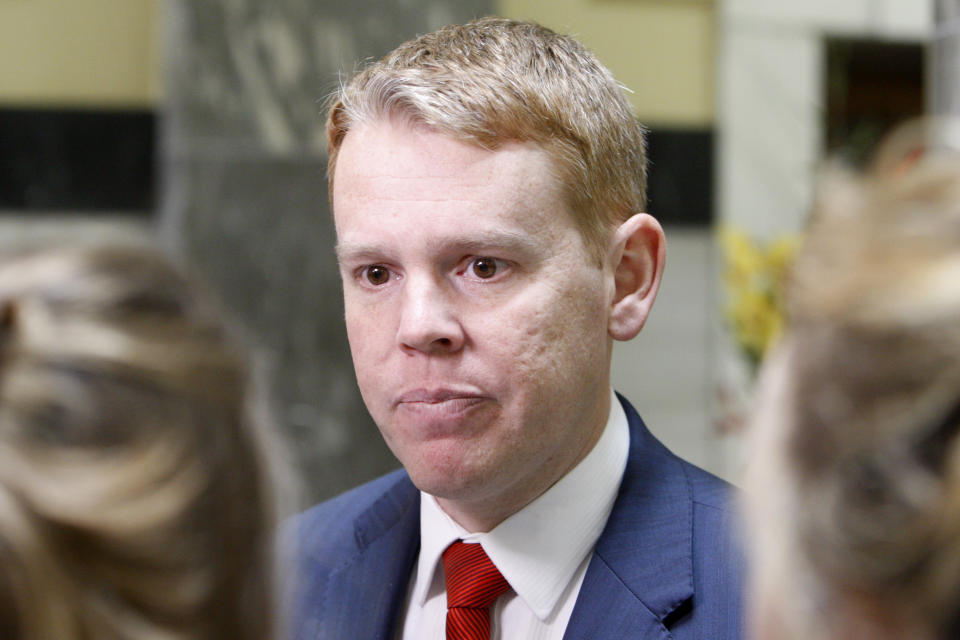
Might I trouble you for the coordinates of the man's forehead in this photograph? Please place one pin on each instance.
(384, 161)
(431, 150)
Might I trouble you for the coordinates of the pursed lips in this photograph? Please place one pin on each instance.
(444, 399)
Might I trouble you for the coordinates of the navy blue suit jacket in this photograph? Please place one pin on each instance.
(665, 566)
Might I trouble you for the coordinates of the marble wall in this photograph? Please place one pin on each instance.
(244, 195)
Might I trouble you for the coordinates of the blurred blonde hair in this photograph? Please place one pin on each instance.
(493, 80)
(133, 501)
(854, 480)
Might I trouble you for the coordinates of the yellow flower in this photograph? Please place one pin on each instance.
(754, 278)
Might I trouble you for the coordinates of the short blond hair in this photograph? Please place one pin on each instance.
(133, 493)
(855, 480)
(494, 80)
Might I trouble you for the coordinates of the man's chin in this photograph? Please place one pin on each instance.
(444, 486)
(455, 483)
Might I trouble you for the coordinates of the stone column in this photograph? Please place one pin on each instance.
(944, 67)
(243, 195)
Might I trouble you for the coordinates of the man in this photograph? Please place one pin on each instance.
(487, 183)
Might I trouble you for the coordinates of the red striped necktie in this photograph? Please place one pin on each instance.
(473, 584)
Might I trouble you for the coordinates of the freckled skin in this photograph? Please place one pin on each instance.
(487, 389)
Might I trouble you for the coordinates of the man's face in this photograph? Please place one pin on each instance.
(476, 317)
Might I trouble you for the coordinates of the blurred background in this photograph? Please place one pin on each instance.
(199, 125)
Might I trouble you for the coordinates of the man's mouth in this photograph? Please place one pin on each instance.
(442, 400)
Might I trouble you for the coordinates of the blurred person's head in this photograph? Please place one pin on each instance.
(494, 80)
(854, 480)
(133, 501)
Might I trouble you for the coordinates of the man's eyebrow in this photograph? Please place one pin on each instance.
(490, 241)
(355, 252)
(481, 242)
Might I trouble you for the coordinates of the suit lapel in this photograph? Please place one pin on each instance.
(642, 568)
(365, 595)
(606, 608)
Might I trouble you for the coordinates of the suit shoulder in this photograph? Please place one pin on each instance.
(704, 487)
(332, 521)
(355, 548)
(709, 490)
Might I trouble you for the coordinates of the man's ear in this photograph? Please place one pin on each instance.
(637, 253)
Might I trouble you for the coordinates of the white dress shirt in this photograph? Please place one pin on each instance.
(542, 550)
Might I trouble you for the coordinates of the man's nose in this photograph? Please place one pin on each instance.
(429, 322)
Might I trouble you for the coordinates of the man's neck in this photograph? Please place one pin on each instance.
(479, 518)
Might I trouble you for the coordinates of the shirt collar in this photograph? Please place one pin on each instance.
(539, 548)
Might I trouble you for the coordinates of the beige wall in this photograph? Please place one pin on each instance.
(104, 52)
(78, 52)
(663, 50)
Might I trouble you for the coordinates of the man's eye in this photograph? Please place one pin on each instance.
(485, 268)
(376, 274)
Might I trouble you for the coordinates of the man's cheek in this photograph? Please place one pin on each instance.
(365, 325)
(527, 352)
